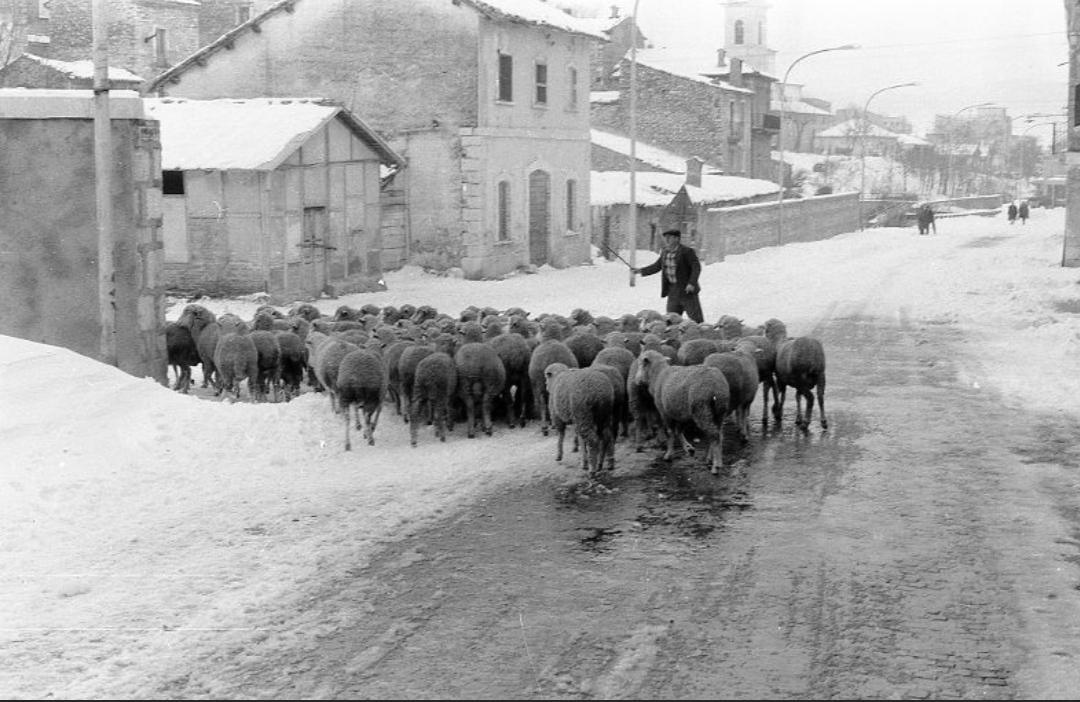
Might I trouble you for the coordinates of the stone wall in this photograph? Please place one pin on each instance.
(725, 231)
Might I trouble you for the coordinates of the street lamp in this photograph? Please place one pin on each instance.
(862, 144)
(783, 110)
(948, 167)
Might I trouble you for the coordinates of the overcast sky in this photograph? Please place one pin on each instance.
(961, 52)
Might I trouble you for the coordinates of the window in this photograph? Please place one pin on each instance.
(504, 210)
(243, 12)
(541, 84)
(172, 182)
(506, 77)
(740, 30)
(573, 89)
(571, 202)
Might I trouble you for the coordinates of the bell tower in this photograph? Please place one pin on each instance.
(745, 34)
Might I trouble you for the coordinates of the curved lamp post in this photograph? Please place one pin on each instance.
(862, 143)
(780, 140)
(948, 167)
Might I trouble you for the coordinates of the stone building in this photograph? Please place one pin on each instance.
(487, 101)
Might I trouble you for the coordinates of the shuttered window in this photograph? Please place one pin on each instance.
(541, 84)
(504, 210)
(506, 77)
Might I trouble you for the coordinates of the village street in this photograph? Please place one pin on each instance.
(925, 546)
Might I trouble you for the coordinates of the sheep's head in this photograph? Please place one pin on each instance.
(550, 328)
(552, 371)
(344, 312)
(307, 310)
(263, 321)
(650, 363)
(581, 316)
(616, 339)
(470, 332)
(629, 323)
(195, 317)
(730, 327)
(774, 330)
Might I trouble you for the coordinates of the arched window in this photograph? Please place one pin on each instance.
(740, 31)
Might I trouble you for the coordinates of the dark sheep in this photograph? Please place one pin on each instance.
(620, 359)
(325, 354)
(584, 346)
(202, 323)
(293, 363)
(517, 395)
(800, 363)
(546, 352)
(236, 360)
(182, 353)
(232, 324)
(740, 370)
(582, 397)
(306, 310)
(361, 383)
(481, 377)
(263, 321)
(434, 386)
(270, 310)
(346, 313)
(391, 356)
(268, 376)
(369, 309)
(620, 411)
(644, 416)
(406, 376)
(689, 399)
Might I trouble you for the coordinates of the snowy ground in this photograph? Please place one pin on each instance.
(140, 523)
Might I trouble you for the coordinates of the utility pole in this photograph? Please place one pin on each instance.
(632, 239)
(1070, 254)
(103, 168)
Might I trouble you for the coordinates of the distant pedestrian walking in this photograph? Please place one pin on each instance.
(1012, 212)
(925, 218)
(1023, 212)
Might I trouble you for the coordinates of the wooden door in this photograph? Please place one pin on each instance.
(539, 216)
(313, 250)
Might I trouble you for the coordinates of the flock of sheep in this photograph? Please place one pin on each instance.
(640, 376)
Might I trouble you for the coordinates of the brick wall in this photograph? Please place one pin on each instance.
(725, 231)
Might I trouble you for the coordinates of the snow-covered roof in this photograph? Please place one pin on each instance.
(679, 64)
(797, 106)
(534, 12)
(647, 153)
(603, 97)
(250, 134)
(603, 25)
(854, 127)
(912, 140)
(539, 13)
(82, 69)
(654, 189)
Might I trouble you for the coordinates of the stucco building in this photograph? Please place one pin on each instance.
(487, 102)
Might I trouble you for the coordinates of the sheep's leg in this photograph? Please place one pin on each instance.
(544, 411)
(376, 412)
(413, 426)
(821, 401)
(778, 404)
(560, 431)
(485, 406)
(716, 453)
(348, 444)
(470, 414)
(669, 454)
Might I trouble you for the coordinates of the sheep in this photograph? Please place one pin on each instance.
(691, 398)
(306, 310)
(408, 360)
(263, 321)
(643, 413)
(237, 359)
(268, 375)
(481, 377)
(515, 354)
(202, 323)
(620, 359)
(361, 382)
(182, 354)
(694, 351)
(741, 372)
(293, 362)
(620, 412)
(546, 352)
(391, 356)
(582, 397)
(232, 324)
(584, 345)
(325, 354)
(800, 363)
(434, 385)
(344, 312)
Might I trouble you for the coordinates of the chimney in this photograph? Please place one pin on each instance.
(720, 54)
(614, 12)
(693, 171)
(735, 74)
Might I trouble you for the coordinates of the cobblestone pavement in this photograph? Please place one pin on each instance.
(925, 546)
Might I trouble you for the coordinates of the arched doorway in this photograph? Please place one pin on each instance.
(539, 216)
